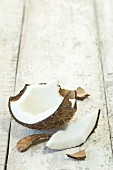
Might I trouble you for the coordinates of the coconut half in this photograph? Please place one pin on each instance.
(42, 106)
(75, 134)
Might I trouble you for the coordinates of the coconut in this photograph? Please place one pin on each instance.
(75, 134)
(42, 106)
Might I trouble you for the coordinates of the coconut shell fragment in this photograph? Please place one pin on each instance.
(72, 93)
(81, 94)
(26, 142)
(81, 155)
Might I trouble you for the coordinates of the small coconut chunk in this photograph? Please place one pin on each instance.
(75, 134)
(81, 94)
(26, 142)
(81, 155)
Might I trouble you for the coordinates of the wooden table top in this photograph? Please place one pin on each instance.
(72, 41)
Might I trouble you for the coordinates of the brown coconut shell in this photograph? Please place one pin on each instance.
(60, 117)
(28, 141)
(81, 94)
(81, 155)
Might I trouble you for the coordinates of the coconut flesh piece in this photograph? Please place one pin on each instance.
(75, 134)
(41, 106)
(37, 102)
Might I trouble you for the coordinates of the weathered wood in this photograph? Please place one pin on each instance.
(105, 27)
(60, 41)
(10, 26)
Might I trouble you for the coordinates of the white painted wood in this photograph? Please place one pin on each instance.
(10, 26)
(60, 41)
(105, 26)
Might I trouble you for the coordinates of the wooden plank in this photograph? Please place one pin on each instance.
(105, 25)
(60, 41)
(10, 26)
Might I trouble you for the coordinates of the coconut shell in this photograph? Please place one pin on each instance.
(81, 155)
(61, 116)
(71, 95)
(81, 94)
(26, 142)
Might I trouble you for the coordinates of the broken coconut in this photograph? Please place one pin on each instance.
(75, 134)
(42, 106)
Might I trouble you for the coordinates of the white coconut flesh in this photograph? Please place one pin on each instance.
(75, 134)
(37, 103)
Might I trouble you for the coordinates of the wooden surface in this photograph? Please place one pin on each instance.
(10, 26)
(105, 20)
(70, 40)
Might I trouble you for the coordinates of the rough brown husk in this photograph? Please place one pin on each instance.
(26, 142)
(61, 116)
(81, 155)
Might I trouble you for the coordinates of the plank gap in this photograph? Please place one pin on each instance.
(8, 142)
(18, 54)
(19, 46)
(102, 71)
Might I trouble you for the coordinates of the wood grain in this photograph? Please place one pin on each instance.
(105, 28)
(10, 26)
(60, 41)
